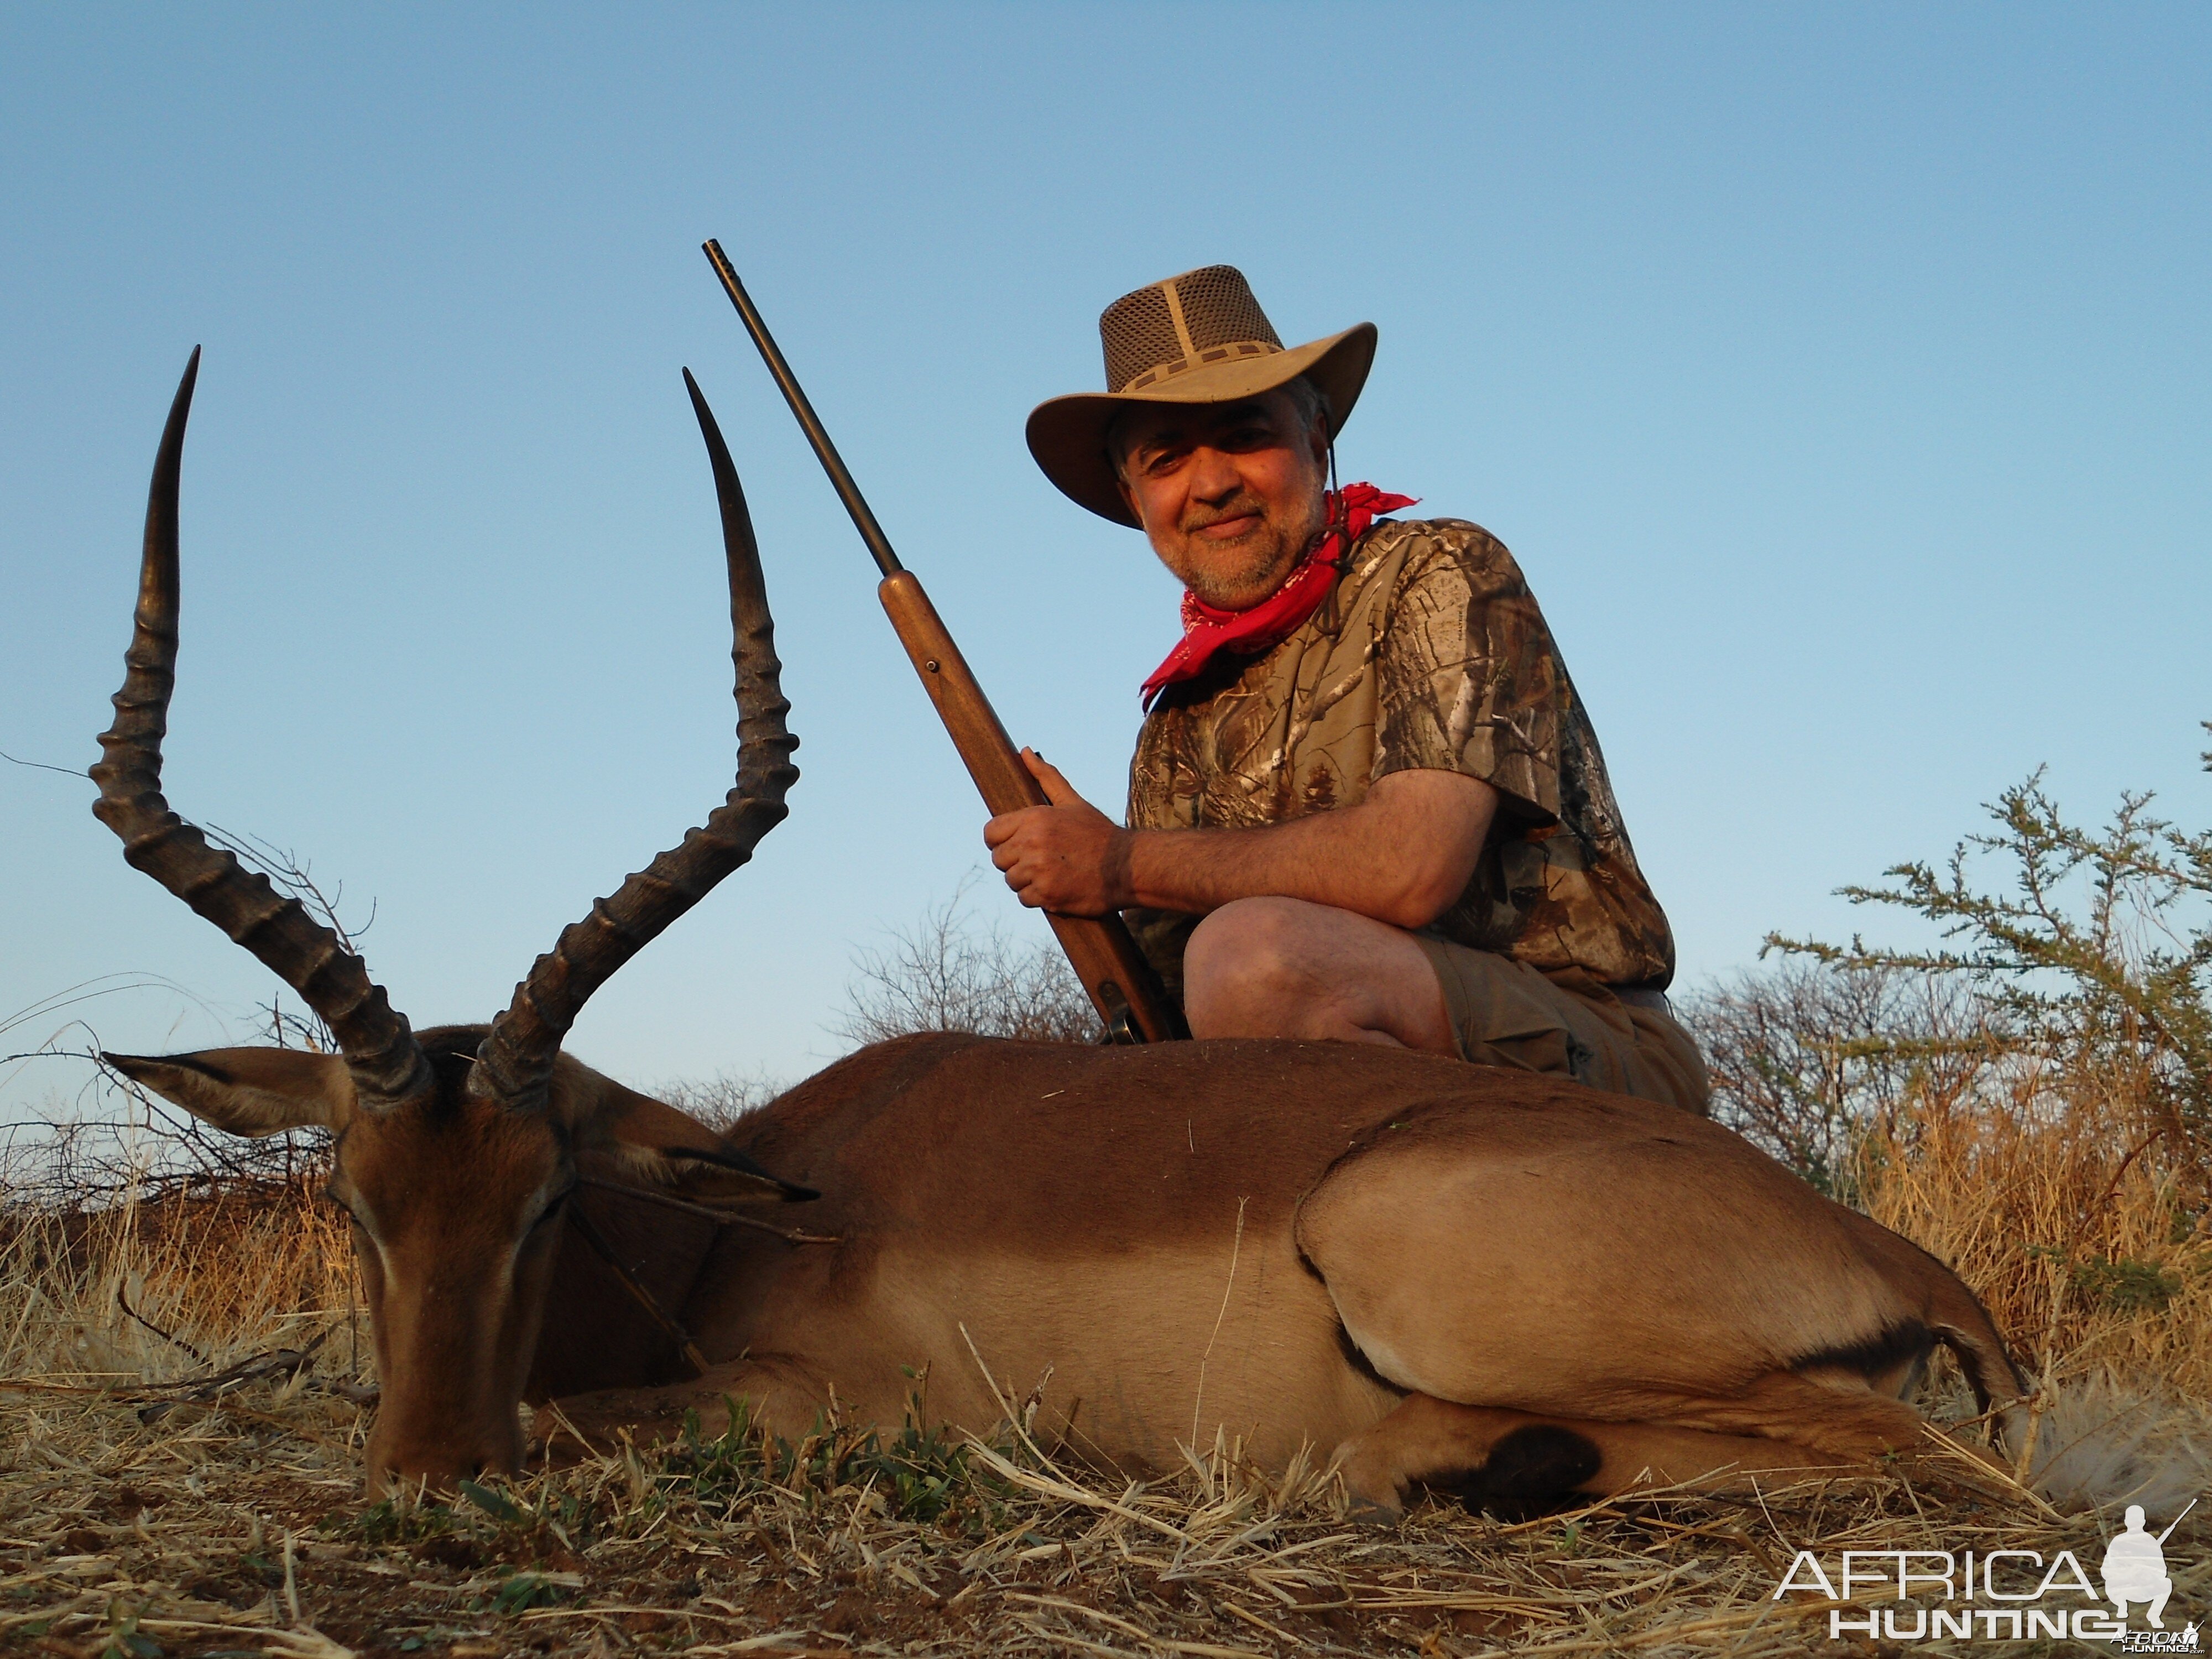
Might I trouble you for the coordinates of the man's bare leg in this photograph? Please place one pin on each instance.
(1285, 968)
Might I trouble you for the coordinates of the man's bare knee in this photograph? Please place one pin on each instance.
(1244, 973)
(1290, 968)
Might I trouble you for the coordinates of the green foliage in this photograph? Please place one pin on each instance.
(2095, 949)
(394, 1521)
(125, 1639)
(2113, 1285)
(491, 1518)
(724, 1469)
(526, 1590)
(496, 1504)
(921, 1475)
(2126, 1286)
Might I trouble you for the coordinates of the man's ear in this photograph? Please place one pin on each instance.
(248, 1091)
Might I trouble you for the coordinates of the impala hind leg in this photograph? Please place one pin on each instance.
(1841, 1417)
(1517, 1461)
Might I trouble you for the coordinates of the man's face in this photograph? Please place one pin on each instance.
(1230, 494)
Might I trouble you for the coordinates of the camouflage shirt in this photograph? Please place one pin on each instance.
(1430, 654)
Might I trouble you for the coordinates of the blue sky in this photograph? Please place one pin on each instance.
(1838, 374)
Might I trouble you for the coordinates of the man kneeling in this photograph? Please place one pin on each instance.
(1366, 803)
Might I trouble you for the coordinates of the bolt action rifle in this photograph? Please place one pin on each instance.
(1122, 986)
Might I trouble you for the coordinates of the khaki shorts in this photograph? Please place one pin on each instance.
(1567, 1024)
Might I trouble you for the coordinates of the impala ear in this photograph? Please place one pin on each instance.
(657, 1143)
(248, 1091)
(734, 1169)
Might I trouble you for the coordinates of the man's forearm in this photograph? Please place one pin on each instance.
(1201, 870)
(1402, 856)
(1402, 859)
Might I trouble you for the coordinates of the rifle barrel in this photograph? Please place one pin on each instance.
(2178, 1520)
(832, 462)
(1130, 1000)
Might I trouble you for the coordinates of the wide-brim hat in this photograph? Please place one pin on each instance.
(1197, 338)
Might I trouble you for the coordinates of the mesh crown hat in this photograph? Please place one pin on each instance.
(1197, 338)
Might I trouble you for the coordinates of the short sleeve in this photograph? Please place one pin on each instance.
(1468, 678)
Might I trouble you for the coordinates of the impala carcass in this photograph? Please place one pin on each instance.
(1496, 1282)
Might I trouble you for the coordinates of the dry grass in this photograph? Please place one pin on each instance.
(226, 1271)
(148, 1502)
(185, 1391)
(2050, 1193)
(2068, 1226)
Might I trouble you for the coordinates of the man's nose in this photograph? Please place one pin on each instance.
(1213, 475)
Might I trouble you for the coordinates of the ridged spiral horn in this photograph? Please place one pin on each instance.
(515, 1065)
(380, 1052)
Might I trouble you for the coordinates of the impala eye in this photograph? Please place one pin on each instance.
(553, 1206)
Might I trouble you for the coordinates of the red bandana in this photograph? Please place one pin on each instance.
(1206, 630)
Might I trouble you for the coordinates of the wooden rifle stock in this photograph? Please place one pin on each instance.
(1121, 985)
(1105, 959)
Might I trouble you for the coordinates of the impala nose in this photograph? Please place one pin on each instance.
(398, 1465)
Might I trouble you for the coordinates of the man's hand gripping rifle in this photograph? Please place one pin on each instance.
(1121, 984)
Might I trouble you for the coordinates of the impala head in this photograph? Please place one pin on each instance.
(455, 1151)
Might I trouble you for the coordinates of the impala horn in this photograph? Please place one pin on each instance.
(514, 1066)
(380, 1052)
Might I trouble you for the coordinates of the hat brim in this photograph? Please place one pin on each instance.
(1067, 435)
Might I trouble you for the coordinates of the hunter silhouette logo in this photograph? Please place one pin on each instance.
(2002, 1594)
(2135, 1566)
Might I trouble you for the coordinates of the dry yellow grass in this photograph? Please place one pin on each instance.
(242, 1267)
(144, 1506)
(2053, 1197)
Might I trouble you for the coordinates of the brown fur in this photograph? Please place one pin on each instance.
(1158, 1243)
(1447, 1269)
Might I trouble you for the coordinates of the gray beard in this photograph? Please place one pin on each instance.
(1219, 588)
